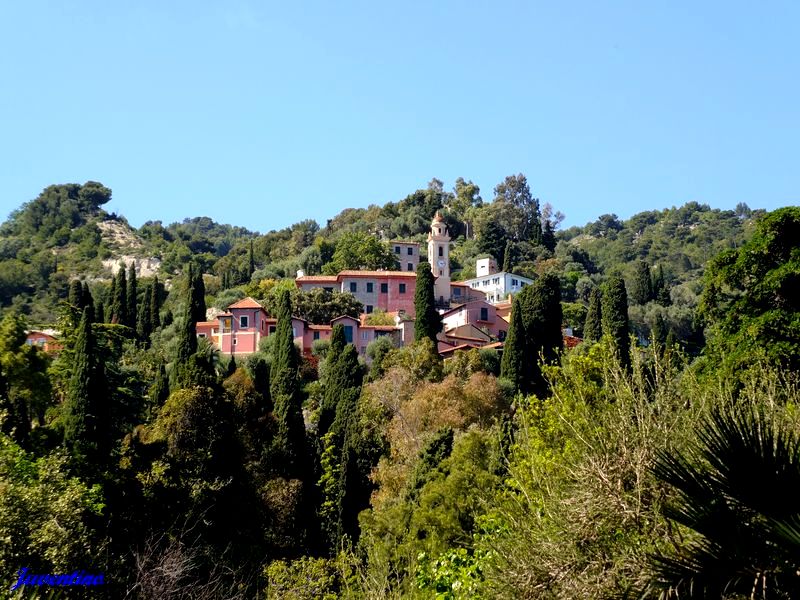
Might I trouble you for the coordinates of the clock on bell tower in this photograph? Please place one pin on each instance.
(439, 257)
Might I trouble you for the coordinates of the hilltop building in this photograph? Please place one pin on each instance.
(496, 285)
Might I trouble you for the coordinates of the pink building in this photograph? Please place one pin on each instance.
(478, 314)
(390, 291)
(240, 329)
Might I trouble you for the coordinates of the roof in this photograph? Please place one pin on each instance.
(320, 278)
(406, 242)
(206, 324)
(246, 303)
(345, 317)
(379, 327)
(320, 327)
(437, 218)
(408, 274)
(458, 284)
(466, 304)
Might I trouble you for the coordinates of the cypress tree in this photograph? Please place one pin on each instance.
(99, 312)
(540, 306)
(615, 318)
(593, 328)
(112, 294)
(428, 322)
(86, 423)
(198, 295)
(492, 240)
(251, 264)
(231, 367)
(290, 438)
(153, 306)
(187, 344)
(332, 379)
(549, 236)
(261, 382)
(512, 365)
(541, 314)
(86, 297)
(131, 297)
(119, 307)
(658, 333)
(509, 257)
(660, 290)
(75, 296)
(338, 341)
(143, 316)
(339, 483)
(642, 285)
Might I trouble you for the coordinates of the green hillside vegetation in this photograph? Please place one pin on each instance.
(651, 461)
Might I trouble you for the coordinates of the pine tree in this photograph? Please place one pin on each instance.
(119, 307)
(615, 318)
(593, 328)
(153, 306)
(86, 422)
(428, 322)
(290, 438)
(642, 285)
(130, 300)
(512, 365)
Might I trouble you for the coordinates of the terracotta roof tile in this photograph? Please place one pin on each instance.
(245, 303)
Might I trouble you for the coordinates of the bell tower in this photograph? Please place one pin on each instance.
(439, 257)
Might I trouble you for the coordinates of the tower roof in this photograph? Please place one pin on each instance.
(438, 218)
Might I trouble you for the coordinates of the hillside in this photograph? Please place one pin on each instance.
(64, 233)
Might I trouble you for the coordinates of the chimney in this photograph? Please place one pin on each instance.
(301, 273)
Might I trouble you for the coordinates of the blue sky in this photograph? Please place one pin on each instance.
(262, 114)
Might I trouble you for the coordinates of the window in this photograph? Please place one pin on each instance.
(369, 309)
(410, 267)
(370, 287)
(514, 282)
(410, 251)
(456, 291)
(441, 251)
(272, 329)
(485, 283)
(234, 341)
(348, 334)
(364, 335)
(523, 284)
(328, 289)
(496, 281)
(262, 324)
(484, 314)
(353, 287)
(244, 322)
(397, 249)
(202, 335)
(402, 288)
(316, 335)
(384, 288)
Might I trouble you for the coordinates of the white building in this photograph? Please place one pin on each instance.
(496, 285)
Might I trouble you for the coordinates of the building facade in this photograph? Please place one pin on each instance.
(389, 291)
(407, 255)
(495, 285)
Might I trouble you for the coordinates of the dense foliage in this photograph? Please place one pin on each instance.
(649, 461)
